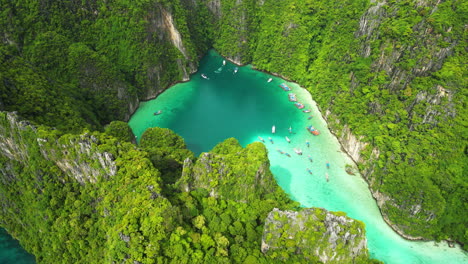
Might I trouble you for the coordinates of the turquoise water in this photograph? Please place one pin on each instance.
(244, 105)
(11, 252)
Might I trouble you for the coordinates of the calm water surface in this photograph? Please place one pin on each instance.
(244, 105)
(11, 252)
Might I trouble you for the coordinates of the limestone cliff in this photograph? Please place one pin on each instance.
(77, 156)
(219, 172)
(388, 77)
(316, 234)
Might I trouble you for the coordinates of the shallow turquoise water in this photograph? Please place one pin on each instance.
(11, 252)
(244, 105)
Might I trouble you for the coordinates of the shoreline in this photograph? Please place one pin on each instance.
(450, 243)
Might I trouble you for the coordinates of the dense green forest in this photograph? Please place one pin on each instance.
(95, 198)
(392, 73)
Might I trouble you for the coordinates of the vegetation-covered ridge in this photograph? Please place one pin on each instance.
(75, 64)
(97, 198)
(390, 78)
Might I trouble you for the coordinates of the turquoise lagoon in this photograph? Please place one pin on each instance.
(245, 105)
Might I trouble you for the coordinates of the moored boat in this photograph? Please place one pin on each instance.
(273, 129)
(236, 69)
(298, 151)
(271, 140)
(290, 130)
(310, 117)
(261, 139)
(312, 130)
(224, 62)
(287, 154)
(204, 76)
(326, 176)
(269, 80)
(310, 159)
(306, 111)
(292, 97)
(287, 139)
(285, 87)
(158, 112)
(299, 105)
(280, 151)
(309, 171)
(308, 143)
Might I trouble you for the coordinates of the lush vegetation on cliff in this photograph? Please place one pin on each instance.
(93, 198)
(73, 64)
(394, 74)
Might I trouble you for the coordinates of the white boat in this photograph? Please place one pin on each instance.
(261, 139)
(326, 176)
(236, 69)
(271, 79)
(298, 151)
(204, 76)
(224, 62)
(288, 140)
(273, 129)
(290, 130)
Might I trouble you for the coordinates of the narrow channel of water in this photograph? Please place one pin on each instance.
(244, 105)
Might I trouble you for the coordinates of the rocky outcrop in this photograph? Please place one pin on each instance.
(162, 30)
(425, 50)
(77, 157)
(316, 234)
(433, 100)
(215, 7)
(218, 172)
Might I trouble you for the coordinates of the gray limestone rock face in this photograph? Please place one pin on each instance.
(314, 234)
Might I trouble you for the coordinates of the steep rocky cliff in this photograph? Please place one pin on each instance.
(63, 194)
(316, 234)
(102, 59)
(388, 77)
(93, 198)
(219, 171)
(77, 157)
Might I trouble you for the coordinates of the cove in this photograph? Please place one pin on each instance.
(11, 251)
(244, 105)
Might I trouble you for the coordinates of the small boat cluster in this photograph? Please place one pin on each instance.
(292, 97)
(297, 149)
(220, 69)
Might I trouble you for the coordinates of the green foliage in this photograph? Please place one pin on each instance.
(386, 84)
(120, 130)
(78, 65)
(123, 216)
(167, 151)
(219, 170)
(88, 63)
